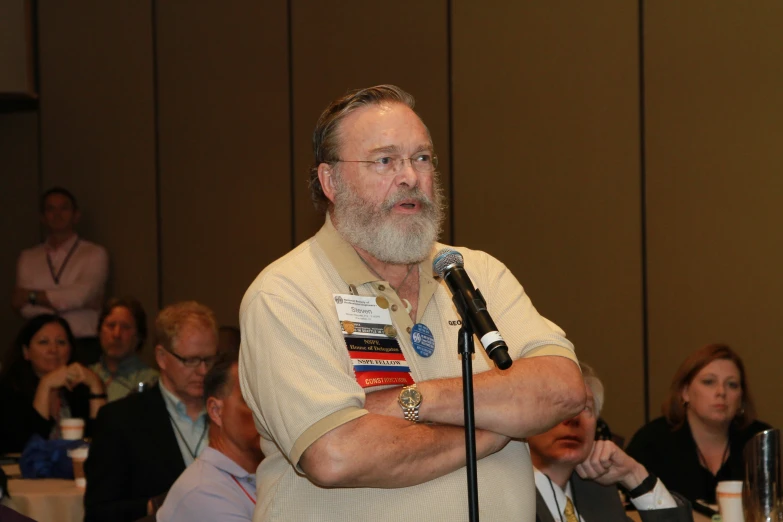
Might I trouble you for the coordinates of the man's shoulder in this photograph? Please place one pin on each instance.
(124, 409)
(90, 248)
(287, 271)
(197, 489)
(34, 251)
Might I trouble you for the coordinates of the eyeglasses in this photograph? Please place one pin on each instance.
(421, 163)
(193, 362)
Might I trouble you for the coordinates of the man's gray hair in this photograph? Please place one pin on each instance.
(592, 380)
(326, 140)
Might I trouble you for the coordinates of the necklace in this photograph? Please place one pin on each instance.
(408, 306)
(703, 461)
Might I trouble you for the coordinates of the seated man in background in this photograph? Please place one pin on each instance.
(576, 476)
(122, 331)
(221, 483)
(142, 443)
(65, 275)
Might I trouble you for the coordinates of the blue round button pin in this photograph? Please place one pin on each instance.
(422, 339)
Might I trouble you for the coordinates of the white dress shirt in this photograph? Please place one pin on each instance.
(78, 295)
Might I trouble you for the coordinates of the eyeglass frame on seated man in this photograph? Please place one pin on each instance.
(397, 162)
(187, 362)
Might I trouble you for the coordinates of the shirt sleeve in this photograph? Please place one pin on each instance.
(294, 369)
(87, 289)
(658, 498)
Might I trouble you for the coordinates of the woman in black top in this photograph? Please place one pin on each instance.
(39, 385)
(708, 418)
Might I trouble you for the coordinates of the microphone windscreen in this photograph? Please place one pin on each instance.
(446, 258)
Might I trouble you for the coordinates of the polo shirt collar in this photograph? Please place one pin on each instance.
(126, 367)
(65, 247)
(223, 463)
(354, 271)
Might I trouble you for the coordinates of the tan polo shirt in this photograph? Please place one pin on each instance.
(297, 377)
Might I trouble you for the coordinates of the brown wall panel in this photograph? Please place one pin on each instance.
(546, 171)
(715, 164)
(340, 45)
(224, 148)
(97, 124)
(19, 219)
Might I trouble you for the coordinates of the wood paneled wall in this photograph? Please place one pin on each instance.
(591, 148)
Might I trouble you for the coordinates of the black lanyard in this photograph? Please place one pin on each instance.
(193, 454)
(59, 273)
(557, 506)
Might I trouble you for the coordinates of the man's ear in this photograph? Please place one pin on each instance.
(326, 177)
(160, 357)
(77, 215)
(215, 410)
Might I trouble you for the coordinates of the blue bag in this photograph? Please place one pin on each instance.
(47, 458)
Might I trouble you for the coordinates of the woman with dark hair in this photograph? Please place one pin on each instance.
(39, 385)
(708, 417)
(122, 330)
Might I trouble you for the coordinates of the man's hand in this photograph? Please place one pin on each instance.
(19, 297)
(607, 464)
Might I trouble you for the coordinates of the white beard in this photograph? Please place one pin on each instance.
(396, 239)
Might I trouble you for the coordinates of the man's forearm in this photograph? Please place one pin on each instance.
(529, 398)
(384, 452)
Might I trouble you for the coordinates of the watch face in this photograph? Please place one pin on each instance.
(410, 398)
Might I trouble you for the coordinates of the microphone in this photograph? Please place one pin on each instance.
(449, 265)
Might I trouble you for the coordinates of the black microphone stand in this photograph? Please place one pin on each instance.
(466, 350)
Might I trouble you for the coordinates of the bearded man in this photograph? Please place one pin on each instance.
(348, 358)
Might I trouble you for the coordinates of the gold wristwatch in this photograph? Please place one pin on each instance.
(410, 401)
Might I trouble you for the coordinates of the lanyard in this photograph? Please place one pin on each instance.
(59, 273)
(554, 496)
(243, 489)
(193, 454)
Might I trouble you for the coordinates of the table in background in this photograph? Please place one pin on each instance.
(45, 500)
(697, 517)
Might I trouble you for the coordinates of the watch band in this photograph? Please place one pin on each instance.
(411, 414)
(646, 486)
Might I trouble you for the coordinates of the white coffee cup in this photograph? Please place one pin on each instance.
(729, 493)
(72, 429)
(78, 456)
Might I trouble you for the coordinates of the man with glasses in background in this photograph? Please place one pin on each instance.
(142, 443)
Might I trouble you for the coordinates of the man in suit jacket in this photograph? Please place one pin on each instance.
(143, 442)
(577, 476)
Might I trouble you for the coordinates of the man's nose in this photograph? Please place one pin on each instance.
(406, 173)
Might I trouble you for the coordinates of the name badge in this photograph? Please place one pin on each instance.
(371, 341)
